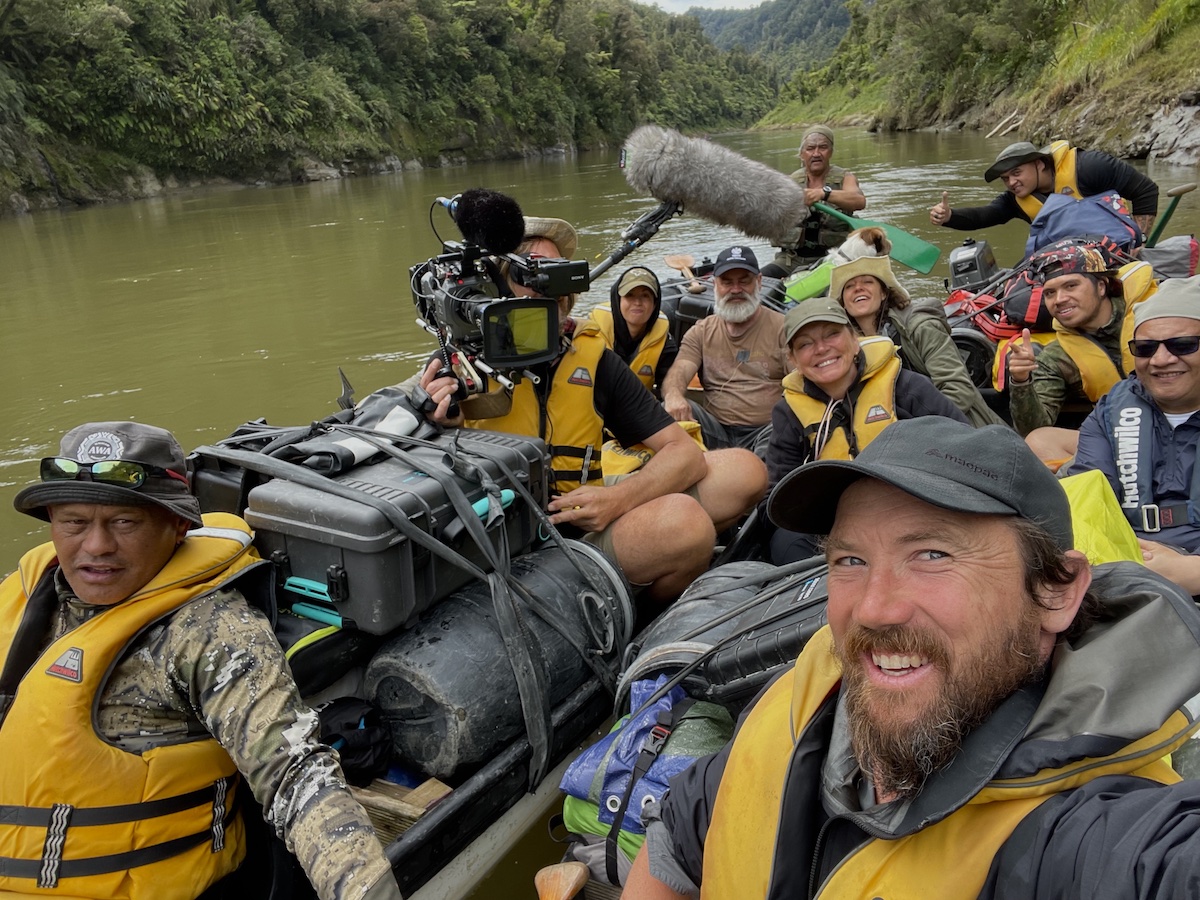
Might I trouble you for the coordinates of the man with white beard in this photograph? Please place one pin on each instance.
(739, 353)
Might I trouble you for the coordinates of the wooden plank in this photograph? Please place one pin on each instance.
(394, 808)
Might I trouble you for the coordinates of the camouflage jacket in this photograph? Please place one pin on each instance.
(216, 666)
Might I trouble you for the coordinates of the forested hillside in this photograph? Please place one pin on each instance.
(241, 87)
(791, 36)
(1069, 66)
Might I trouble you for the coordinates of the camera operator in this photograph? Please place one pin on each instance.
(586, 390)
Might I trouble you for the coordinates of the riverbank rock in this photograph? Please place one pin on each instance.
(1177, 131)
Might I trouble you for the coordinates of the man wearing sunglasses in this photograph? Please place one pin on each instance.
(1144, 433)
(137, 684)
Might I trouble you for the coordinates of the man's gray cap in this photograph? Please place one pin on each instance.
(132, 441)
(949, 464)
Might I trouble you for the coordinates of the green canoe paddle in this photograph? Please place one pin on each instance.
(906, 248)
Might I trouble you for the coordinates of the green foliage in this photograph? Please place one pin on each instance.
(937, 59)
(239, 86)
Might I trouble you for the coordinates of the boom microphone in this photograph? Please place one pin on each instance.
(714, 183)
(488, 219)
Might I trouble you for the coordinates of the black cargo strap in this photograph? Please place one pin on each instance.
(520, 643)
(521, 490)
(668, 720)
(57, 820)
(298, 474)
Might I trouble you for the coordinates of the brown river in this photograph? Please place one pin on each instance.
(200, 311)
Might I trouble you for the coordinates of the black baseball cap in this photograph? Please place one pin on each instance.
(129, 441)
(945, 463)
(736, 257)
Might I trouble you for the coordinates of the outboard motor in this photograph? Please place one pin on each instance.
(972, 266)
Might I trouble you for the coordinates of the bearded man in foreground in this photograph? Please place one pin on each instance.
(740, 355)
(984, 715)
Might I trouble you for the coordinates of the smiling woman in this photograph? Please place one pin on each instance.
(844, 393)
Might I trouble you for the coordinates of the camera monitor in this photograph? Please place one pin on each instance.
(522, 331)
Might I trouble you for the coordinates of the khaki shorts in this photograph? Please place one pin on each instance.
(603, 539)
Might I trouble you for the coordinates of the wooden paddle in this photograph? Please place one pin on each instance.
(563, 880)
(683, 262)
(906, 248)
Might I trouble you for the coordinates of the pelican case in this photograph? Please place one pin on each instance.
(342, 562)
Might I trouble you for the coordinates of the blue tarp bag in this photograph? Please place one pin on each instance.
(601, 773)
(1101, 215)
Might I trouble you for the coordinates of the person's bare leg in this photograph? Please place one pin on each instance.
(666, 543)
(736, 481)
(1053, 446)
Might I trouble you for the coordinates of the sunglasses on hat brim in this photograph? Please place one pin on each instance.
(121, 472)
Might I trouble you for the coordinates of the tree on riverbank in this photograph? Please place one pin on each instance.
(243, 87)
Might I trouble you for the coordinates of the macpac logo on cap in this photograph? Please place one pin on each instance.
(99, 446)
(965, 463)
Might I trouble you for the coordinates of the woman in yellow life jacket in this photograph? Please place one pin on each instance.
(635, 328)
(844, 391)
(878, 305)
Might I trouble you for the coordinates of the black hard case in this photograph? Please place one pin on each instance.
(375, 577)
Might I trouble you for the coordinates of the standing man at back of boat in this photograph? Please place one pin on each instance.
(984, 716)
(825, 183)
(681, 496)
(1030, 174)
(146, 708)
(1144, 434)
(740, 355)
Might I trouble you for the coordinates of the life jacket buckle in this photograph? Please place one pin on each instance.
(1151, 520)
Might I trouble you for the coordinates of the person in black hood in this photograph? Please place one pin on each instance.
(635, 328)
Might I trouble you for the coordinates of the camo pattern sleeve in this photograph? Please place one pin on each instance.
(1038, 402)
(216, 665)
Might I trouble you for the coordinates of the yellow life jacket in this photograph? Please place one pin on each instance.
(1095, 366)
(874, 409)
(1064, 179)
(156, 825)
(569, 424)
(1137, 283)
(1000, 360)
(1098, 372)
(645, 362)
(948, 859)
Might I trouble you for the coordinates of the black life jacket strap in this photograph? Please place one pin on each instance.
(27, 642)
(668, 720)
(52, 867)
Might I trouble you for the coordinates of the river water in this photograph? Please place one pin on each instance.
(200, 311)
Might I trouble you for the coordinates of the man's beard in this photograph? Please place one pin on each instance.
(900, 756)
(736, 313)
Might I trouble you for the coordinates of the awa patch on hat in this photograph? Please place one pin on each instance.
(156, 474)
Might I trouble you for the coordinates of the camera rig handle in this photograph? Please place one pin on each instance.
(637, 234)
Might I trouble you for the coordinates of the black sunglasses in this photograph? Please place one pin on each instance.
(122, 472)
(1176, 346)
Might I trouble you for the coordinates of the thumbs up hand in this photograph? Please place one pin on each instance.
(940, 214)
